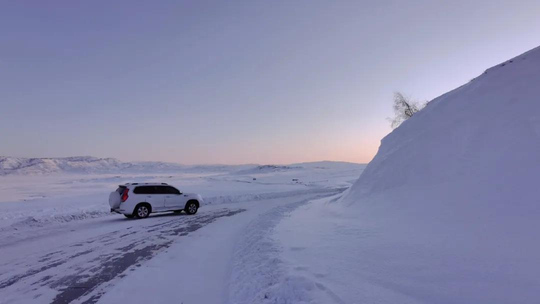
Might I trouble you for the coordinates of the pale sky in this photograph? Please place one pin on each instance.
(199, 82)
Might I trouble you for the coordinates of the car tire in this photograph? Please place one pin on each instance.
(191, 207)
(142, 211)
(130, 216)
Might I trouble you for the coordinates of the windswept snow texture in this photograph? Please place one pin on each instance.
(447, 212)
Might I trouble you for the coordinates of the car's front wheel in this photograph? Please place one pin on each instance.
(142, 211)
(191, 207)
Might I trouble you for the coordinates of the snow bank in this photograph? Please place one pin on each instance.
(452, 194)
(487, 131)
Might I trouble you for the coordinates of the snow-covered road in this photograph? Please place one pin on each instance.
(80, 264)
(111, 257)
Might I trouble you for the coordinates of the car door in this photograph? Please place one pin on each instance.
(173, 199)
(151, 195)
(158, 198)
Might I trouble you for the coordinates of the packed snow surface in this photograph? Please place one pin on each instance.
(448, 210)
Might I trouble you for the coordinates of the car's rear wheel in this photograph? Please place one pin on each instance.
(191, 207)
(128, 215)
(142, 211)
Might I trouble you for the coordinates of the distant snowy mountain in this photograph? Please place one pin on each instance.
(452, 195)
(79, 164)
(89, 164)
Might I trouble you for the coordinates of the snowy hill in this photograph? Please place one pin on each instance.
(488, 129)
(453, 194)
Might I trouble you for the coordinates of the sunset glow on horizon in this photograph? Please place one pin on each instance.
(232, 83)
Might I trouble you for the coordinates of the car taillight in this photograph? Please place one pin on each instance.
(125, 195)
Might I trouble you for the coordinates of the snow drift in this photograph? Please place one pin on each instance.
(453, 194)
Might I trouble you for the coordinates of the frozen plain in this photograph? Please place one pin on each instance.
(60, 244)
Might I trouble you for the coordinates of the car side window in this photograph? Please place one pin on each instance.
(156, 190)
(173, 190)
(162, 190)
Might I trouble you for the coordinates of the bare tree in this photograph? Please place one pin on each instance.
(404, 108)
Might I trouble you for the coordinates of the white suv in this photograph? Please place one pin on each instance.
(140, 199)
